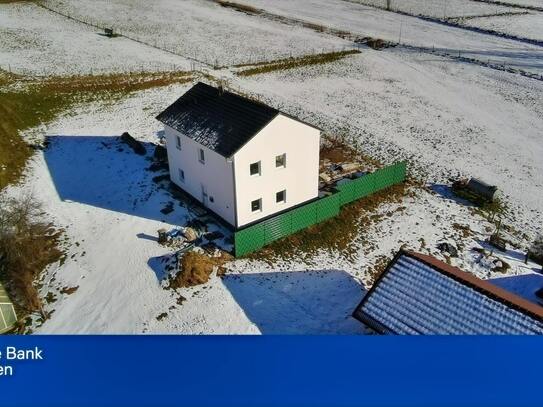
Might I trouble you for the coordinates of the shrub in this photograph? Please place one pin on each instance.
(536, 251)
(27, 246)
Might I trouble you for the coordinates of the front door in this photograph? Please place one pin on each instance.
(204, 195)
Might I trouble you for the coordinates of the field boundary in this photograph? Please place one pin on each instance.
(505, 4)
(453, 22)
(255, 237)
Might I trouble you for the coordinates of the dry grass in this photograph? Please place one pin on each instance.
(296, 62)
(123, 83)
(335, 149)
(336, 234)
(40, 101)
(239, 7)
(380, 266)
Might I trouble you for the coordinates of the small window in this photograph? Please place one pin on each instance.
(201, 156)
(256, 205)
(255, 168)
(211, 199)
(281, 196)
(281, 161)
(178, 142)
(181, 175)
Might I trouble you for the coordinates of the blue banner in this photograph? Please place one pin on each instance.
(270, 371)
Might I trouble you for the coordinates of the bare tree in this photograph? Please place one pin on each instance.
(27, 246)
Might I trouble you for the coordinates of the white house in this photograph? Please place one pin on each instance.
(243, 160)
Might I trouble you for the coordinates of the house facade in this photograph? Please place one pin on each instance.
(243, 160)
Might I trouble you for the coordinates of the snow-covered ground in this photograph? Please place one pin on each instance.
(37, 42)
(200, 29)
(446, 117)
(519, 22)
(439, 8)
(525, 25)
(110, 209)
(532, 3)
(369, 21)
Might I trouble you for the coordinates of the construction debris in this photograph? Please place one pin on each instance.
(331, 173)
(190, 234)
(446, 247)
(162, 236)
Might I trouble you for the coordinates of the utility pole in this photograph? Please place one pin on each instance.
(388, 5)
(400, 36)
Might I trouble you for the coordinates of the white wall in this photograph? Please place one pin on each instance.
(216, 174)
(300, 178)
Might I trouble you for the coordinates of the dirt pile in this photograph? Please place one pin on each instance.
(195, 269)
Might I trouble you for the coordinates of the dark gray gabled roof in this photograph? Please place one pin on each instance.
(219, 120)
(418, 294)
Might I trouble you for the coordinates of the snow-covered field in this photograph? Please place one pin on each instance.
(369, 21)
(37, 42)
(439, 8)
(200, 29)
(512, 21)
(525, 26)
(532, 3)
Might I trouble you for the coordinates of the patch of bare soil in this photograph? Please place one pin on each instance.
(195, 268)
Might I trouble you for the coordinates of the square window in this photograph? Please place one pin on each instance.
(255, 168)
(181, 175)
(281, 196)
(256, 205)
(281, 161)
(201, 156)
(178, 142)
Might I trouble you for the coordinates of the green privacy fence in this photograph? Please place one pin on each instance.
(263, 233)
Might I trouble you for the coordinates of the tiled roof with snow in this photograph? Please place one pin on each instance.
(219, 120)
(419, 294)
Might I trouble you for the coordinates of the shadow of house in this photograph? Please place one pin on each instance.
(102, 171)
(524, 285)
(299, 302)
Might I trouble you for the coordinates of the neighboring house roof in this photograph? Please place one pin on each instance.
(8, 318)
(217, 119)
(418, 294)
